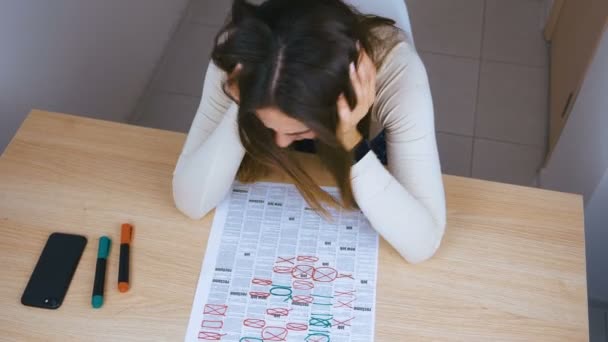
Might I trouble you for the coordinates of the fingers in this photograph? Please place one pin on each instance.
(367, 69)
(237, 69)
(365, 86)
(363, 80)
(343, 108)
(231, 86)
(356, 81)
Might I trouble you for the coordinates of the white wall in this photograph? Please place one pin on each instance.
(86, 57)
(579, 164)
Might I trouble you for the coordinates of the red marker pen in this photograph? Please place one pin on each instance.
(126, 236)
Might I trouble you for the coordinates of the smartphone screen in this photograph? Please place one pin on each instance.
(54, 270)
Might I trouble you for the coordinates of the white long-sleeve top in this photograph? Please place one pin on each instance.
(404, 203)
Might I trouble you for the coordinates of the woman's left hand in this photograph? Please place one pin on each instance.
(363, 80)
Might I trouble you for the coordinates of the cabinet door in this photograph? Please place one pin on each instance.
(574, 40)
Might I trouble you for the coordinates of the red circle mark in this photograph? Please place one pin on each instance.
(263, 295)
(317, 338)
(258, 281)
(282, 269)
(303, 271)
(210, 336)
(346, 276)
(307, 258)
(274, 334)
(254, 323)
(277, 311)
(209, 324)
(303, 284)
(303, 299)
(324, 274)
(296, 326)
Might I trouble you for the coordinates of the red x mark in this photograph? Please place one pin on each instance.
(274, 334)
(215, 309)
(343, 323)
(209, 336)
(254, 323)
(212, 324)
(324, 274)
(345, 293)
(346, 276)
(346, 304)
(297, 326)
(285, 260)
(307, 258)
(303, 272)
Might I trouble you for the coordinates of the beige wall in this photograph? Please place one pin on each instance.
(85, 57)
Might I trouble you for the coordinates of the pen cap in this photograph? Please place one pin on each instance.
(97, 301)
(104, 247)
(126, 233)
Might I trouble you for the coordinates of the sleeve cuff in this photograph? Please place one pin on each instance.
(368, 178)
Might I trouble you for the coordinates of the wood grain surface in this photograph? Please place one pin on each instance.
(511, 266)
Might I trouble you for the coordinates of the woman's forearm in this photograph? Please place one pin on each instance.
(203, 176)
(402, 220)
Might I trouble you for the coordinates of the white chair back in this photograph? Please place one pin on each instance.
(393, 9)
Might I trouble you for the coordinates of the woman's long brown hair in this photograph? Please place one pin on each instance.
(295, 56)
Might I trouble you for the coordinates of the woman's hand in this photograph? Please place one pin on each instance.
(231, 87)
(364, 83)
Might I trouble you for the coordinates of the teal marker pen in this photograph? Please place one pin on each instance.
(100, 271)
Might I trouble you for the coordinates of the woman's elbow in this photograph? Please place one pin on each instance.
(430, 247)
(186, 202)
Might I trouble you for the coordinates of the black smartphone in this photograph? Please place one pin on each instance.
(54, 270)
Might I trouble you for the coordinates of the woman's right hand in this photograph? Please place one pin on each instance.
(231, 87)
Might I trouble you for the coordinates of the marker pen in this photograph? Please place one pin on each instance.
(100, 271)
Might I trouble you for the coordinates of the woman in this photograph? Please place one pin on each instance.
(287, 72)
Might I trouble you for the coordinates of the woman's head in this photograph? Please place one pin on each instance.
(290, 60)
(285, 128)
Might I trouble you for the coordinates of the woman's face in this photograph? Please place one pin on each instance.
(287, 129)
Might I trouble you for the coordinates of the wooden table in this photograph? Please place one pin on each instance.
(511, 268)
